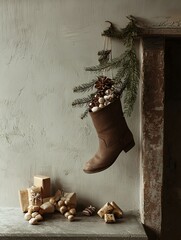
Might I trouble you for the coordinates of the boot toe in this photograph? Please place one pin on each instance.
(94, 168)
(88, 168)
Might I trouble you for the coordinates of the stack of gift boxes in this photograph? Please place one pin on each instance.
(110, 212)
(36, 201)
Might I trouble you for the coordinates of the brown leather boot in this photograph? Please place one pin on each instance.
(114, 136)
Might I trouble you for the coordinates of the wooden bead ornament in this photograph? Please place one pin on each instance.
(101, 100)
(63, 209)
(95, 109)
(106, 97)
(71, 218)
(60, 203)
(52, 201)
(72, 211)
(34, 214)
(67, 202)
(108, 92)
(67, 214)
(27, 216)
(32, 209)
(33, 221)
(39, 217)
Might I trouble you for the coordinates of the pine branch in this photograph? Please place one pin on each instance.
(129, 33)
(129, 99)
(85, 87)
(126, 79)
(119, 76)
(114, 63)
(80, 102)
(85, 113)
(129, 62)
(131, 86)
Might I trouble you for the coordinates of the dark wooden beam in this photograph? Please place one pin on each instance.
(152, 133)
(168, 32)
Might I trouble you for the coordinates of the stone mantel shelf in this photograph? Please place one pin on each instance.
(55, 226)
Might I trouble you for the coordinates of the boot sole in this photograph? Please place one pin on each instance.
(96, 171)
(126, 149)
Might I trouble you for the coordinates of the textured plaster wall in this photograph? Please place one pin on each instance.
(44, 47)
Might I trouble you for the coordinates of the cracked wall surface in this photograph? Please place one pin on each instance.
(45, 46)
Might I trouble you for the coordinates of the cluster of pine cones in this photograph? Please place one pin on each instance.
(105, 94)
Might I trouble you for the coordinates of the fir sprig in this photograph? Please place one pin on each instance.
(85, 87)
(112, 64)
(85, 113)
(127, 66)
(80, 102)
(131, 87)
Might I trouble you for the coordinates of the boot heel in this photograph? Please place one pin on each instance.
(129, 146)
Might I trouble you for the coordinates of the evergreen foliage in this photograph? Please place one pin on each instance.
(126, 65)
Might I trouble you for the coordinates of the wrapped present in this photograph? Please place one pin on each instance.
(47, 207)
(110, 211)
(35, 196)
(107, 208)
(118, 213)
(44, 183)
(109, 218)
(23, 199)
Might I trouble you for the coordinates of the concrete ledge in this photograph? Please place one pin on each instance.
(55, 226)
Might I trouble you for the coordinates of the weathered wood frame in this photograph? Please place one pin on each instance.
(152, 127)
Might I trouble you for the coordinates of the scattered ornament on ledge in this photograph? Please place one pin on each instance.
(66, 205)
(106, 94)
(118, 213)
(35, 196)
(107, 208)
(34, 205)
(110, 212)
(89, 211)
(109, 218)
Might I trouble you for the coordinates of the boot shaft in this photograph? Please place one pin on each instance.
(110, 117)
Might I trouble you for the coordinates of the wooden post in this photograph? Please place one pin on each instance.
(152, 133)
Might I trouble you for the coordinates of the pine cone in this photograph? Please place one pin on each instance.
(103, 83)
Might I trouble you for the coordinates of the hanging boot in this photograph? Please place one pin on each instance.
(114, 136)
